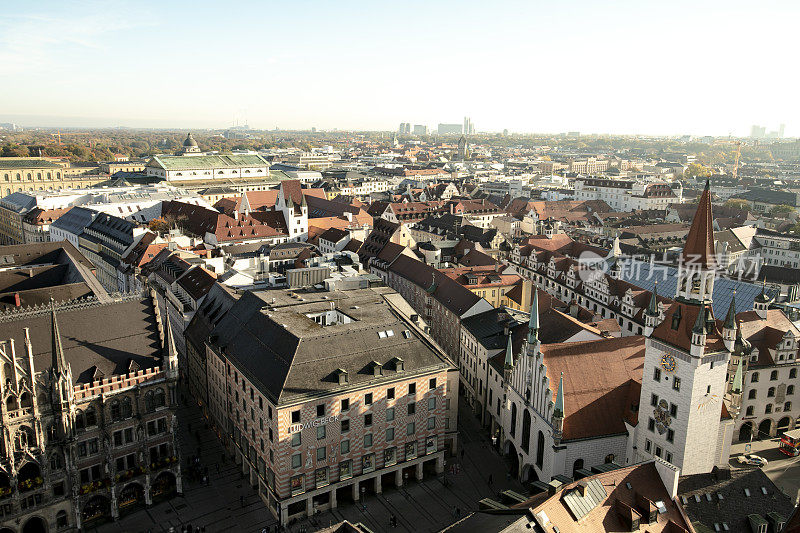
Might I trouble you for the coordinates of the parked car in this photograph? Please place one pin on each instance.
(752, 460)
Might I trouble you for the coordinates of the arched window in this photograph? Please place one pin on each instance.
(540, 450)
(61, 519)
(770, 392)
(790, 389)
(52, 432)
(513, 430)
(749, 411)
(787, 406)
(55, 462)
(609, 458)
(768, 409)
(577, 465)
(754, 378)
(751, 395)
(792, 373)
(773, 375)
(160, 399)
(149, 405)
(91, 417)
(116, 411)
(80, 421)
(526, 431)
(127, 410)
(25, 400)
(11, 403)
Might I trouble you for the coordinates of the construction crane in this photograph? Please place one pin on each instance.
(736, 158)
(58, 135)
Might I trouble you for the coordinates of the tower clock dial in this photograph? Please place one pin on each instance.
(668, 362)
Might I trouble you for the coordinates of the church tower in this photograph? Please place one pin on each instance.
(686, 364)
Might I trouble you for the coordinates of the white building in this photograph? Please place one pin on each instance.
(629, 195)
(182, 168)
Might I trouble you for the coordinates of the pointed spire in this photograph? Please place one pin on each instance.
(700, 324)
(763, 298)
(652, 307)
(533, 323)
(57, 350)
(699, 248)
(558, 410)
(730, 318)
(509, 362)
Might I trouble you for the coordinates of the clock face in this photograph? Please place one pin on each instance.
(668, 362)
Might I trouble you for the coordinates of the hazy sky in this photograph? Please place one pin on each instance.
(650, 67)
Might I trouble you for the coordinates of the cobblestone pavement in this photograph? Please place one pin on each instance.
(228, 503)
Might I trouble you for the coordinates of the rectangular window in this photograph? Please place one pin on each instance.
(654, 399)
(321, 453)
(321, 410)
(432, 422)
(367, 440)
(656, 374)
(390, 393)
(410, 428)
(651, 424)
(320, 432)
(345, 446)
(676, 384)
(412, 408)
(297, 438)
(368, 399)
(297, 460)
(673, 410)
(345, 425)
(412, 388)
(658, 451)
(668, 457)
(390, 414)
(389, 434)
(345, 404)
(670, 435)
(432, 383)
(368, 420)
(432, 403)
(648, 446)
(296, 417)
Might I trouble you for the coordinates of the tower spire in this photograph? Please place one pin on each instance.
(558, 409)
(652, 307)
(699, 247)
(730, 318)
(57, 350)
(533, 323)
(509, 362)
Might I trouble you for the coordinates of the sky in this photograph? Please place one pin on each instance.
(641, 67)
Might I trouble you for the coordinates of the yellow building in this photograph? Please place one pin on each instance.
(500, 290)
(31, 174)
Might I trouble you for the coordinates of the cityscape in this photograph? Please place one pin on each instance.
(267, 303)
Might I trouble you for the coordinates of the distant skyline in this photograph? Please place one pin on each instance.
(666, 68)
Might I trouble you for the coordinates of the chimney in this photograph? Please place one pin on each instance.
(17, 300)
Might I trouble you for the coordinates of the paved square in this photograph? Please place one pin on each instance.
(228, 503)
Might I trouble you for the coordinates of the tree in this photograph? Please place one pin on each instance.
(696, 170)
(158, 225)
(738, 203)
(781, 211)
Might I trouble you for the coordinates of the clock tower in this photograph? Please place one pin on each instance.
(685, 366)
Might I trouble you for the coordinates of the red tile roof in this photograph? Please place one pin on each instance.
(699, 247)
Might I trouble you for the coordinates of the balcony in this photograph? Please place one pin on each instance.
(94, 486)
(163, 463)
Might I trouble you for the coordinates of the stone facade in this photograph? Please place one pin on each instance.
(77, 454)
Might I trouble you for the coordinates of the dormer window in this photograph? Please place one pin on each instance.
(341, 375)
